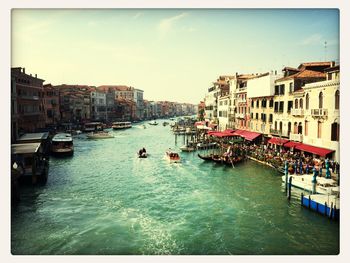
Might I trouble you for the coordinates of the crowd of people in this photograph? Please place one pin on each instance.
(298, 162)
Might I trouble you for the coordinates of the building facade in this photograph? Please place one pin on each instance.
(27, 95)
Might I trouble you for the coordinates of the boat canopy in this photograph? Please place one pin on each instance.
(22, 148)
(62, 137)
(33, 136)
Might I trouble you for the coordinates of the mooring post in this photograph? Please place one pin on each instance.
(302, 198)
(314, 181)
(290, 187)
(286, 175)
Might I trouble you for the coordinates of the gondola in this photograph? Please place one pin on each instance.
(205, 158)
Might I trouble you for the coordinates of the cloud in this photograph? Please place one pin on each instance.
(166, 24)
(313, 40)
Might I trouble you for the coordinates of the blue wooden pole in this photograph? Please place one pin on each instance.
(328, 173)
(295, 167)
(314, 181)
(301, 167)
(286, 174)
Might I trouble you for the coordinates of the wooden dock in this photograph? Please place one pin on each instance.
(327, 205)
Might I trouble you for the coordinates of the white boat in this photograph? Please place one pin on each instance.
(62, 144)
(121, 125)
(187, 148)
(202, 145)
(99, 135)
(323, 185)
(172, 157)
(153, 122)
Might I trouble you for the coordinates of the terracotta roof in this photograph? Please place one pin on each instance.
(115, 87)
(332, 68)
(304, 74)
(290, 68)
(308, 64)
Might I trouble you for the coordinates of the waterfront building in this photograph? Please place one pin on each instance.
(224, 105)
(260, 92)
(51, 105)
(220, 87)
(286, 89)
(138, 99)
(321, 116)
(201, 111)
(239, 117)
(98, 105)
(27, 109)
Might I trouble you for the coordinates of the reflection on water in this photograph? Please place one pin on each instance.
(105, 200)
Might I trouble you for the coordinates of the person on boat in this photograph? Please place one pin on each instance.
(140, 152)
(143, 150)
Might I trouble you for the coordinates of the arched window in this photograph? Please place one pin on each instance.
(301, 103)
(307, 101)
(300, 128)
(335, 131)
(280, 127)
(319, 129)
(295, 128)
(306, 128)
(337, 100)
(296, 104)
(275, 125)
(320, 100)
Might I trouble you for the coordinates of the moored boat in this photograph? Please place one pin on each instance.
(99, 135)
(121, 125)
(62, 144)
(172, 157)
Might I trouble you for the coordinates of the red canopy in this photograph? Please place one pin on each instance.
(291, 144)
(220, 134)
(250, 135)
(313, 149)
(277, 141)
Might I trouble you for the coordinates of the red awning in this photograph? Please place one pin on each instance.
(313, 149)
(220, 134)
(229, 131)
(250, 135)
(291, 144)
(277, 141)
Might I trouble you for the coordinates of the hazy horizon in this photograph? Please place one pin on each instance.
(171, 54)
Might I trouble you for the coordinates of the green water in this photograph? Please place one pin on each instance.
(105, 200)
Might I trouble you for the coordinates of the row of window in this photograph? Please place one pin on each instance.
(262, 117)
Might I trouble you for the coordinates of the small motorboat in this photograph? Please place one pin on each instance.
(187, 148)
(153, 122)
(99, 135)
(142, 155)
(172, 157)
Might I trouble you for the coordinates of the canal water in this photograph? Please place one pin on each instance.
(105, 200)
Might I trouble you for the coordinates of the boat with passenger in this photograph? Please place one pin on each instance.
(62, 144)
(172, 156)
(121, 125)
(99, 135)
(142, 153)
(154, 122)
(93, 126)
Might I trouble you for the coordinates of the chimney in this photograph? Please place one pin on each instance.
(35, 76)
(24, 70)
(275, 72)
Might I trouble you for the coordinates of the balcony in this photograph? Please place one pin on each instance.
(241, 100)
(296, 137)
(319, 113)
(240, 115)
(279, 133)
(297, 112)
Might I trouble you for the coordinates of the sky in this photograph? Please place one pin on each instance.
(171, 54)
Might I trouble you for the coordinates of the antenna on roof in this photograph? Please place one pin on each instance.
(325, 51)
